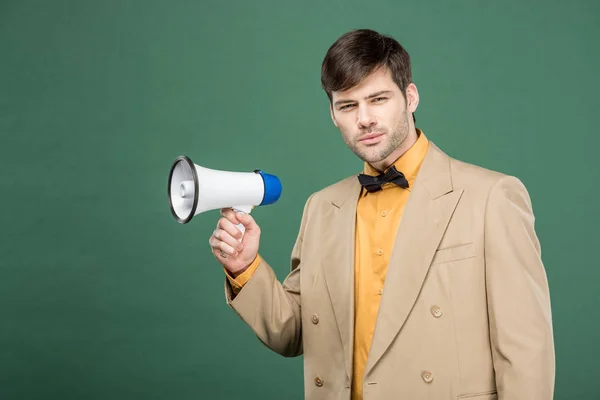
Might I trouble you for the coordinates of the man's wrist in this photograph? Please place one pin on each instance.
(239, 272)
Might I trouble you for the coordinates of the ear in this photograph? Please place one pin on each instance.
(412, 98)
(332, 115)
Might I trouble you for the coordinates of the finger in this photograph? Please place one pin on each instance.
(214, 243)
(230, 215)
(223, 236)
(230, 228)
(225, 248)
(218, 247)
(248, 221)
(222, 255)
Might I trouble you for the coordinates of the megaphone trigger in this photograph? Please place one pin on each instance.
(242, 210)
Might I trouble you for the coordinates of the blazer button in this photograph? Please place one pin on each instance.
(436, 311)
(427, 376)
(315, 319)
(318, 381)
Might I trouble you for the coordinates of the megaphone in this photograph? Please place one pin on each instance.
(194, 189)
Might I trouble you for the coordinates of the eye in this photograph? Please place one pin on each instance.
(346, 107)
(379, 99)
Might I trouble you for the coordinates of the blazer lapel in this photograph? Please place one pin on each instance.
(427, 213)
(339, 264)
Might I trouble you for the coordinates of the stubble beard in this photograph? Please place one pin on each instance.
(380, 151)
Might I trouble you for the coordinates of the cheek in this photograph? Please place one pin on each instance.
(347, 131)
(345, 120)
(347, 135)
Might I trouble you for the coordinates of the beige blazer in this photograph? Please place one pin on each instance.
(465, 312)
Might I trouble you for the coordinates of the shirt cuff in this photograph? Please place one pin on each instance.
(238, 283)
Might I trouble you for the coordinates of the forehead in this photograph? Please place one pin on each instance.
(378, 80)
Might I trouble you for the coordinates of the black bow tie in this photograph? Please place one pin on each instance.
(374, 183)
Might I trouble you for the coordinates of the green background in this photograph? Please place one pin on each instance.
(104, 296)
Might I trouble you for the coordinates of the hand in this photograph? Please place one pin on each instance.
(234, 255)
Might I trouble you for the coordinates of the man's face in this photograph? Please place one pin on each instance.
(373, 117)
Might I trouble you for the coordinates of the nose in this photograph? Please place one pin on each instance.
(365, 118)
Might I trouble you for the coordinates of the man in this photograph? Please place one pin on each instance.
(419, 279)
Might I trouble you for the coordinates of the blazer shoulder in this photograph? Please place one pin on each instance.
(339, 189)
(471, 176)
(481, 181)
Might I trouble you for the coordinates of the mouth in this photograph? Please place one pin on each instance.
(371, 138)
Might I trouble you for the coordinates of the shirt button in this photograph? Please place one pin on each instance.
(383, 213)
(427, 376)
(318, 381)
(380, 252)
(380, 291)
(436, 311)
(315, 319)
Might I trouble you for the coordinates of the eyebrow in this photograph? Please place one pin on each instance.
(340, 102)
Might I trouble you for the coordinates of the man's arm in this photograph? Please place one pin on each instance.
(518, 296)
(270, 308)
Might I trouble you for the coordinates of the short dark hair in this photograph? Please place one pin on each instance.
(358, 53)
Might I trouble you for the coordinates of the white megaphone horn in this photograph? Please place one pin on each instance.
(194, 189)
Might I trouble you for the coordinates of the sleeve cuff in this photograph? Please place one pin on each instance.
(238, 283)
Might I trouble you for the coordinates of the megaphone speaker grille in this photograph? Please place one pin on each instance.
(183, 203)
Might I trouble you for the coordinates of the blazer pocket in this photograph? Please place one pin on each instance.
(454, 253)
(490, 395)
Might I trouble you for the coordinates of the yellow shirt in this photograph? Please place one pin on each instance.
(378, 215)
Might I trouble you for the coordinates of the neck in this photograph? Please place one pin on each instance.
(410, 140)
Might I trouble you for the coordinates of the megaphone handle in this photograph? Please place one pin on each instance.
(244, 210)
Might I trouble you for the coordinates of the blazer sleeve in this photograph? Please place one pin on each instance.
(271, 308)
(518, 296)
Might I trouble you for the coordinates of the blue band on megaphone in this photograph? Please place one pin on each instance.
(272, 188)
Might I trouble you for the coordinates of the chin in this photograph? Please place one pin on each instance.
(371, 159)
